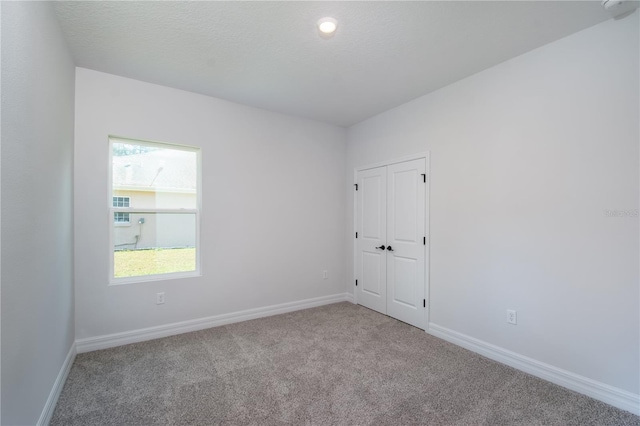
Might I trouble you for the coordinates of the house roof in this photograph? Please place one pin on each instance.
(159, 170)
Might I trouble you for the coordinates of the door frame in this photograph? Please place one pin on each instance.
(427, 252)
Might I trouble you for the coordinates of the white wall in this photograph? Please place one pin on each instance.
(525, 158)
(273, 204)
(37, 210)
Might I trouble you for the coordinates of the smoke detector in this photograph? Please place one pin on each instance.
(617, 8)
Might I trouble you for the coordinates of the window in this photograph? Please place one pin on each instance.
(154, 193)
(120, 201)
(120, 217)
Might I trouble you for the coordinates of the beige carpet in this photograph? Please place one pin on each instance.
(334, 365)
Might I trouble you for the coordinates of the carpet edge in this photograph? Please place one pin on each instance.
(611, 395)
(90, 344)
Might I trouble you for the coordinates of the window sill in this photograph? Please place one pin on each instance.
(157, 277)
(121, 224)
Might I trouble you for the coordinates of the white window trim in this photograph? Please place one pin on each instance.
(197, 211)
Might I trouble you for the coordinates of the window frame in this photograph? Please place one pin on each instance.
(111, 210)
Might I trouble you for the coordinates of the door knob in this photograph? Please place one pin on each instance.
(381, 247)
(389, 248)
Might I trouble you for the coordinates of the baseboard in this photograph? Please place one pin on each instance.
(597, 390)
(141, 335)
(350, 298)
(52, 400)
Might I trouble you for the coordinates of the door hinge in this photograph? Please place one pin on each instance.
(356, 283)
(356, 235)
(424, 241)
(424, 177)
(424, 303)
(356, 185)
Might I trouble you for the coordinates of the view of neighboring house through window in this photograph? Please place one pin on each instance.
(154, 192)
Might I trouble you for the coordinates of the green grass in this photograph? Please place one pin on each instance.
(134, 263)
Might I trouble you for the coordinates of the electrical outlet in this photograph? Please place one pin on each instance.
(512, 317)
(159, 298)
(325, 274)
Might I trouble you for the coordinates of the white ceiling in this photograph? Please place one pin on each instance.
(269, 54)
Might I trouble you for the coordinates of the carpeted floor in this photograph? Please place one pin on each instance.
(339, 364)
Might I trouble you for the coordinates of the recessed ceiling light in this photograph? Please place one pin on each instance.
(327, 25)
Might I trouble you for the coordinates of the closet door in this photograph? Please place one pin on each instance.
(371, 228)
(406, 191)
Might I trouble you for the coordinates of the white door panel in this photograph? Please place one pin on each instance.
(405, 233)
(373, 203)
(371, 262)
(403, 271)
(403, 203)
(372, 277)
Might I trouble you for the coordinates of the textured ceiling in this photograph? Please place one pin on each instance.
(269, 54)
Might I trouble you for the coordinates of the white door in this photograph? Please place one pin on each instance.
(371, 258)
(406, 241)
(390, 240)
